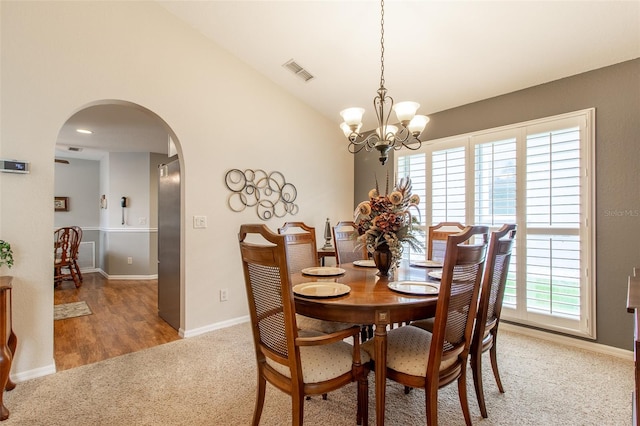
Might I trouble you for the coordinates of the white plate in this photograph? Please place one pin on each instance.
(435, 274)
(365, 263)
(427, 264)
(323, 271)
(415, 287)
(321, 289)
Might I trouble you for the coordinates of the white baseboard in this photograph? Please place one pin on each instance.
(126, 277)
(35, 373)
(212, 327)
(569, 341)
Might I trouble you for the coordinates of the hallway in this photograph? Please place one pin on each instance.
(124, 319)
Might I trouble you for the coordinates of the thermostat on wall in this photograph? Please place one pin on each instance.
(14, 166)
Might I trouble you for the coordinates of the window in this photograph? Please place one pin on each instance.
(538, 175)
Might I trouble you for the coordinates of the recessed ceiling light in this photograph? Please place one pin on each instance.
(85, 131)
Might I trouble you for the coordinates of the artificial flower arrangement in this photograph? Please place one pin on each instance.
(387, 219)
(6, 255)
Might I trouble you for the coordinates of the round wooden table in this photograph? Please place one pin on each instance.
(370, 301)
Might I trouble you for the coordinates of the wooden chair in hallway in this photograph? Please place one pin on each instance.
(296, 362)
(430, 360)
(65, 245)
(75, 252)
(490, 306)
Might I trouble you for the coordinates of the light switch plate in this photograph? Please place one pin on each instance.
(199, 222)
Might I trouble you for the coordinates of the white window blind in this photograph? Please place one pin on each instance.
(448, 173)
(553, 200)
(537, 175)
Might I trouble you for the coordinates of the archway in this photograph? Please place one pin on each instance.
(127, 144)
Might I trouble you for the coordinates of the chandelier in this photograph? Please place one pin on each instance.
(386, 136)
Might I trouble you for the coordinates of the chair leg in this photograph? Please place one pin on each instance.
(476, 369)
(75, 264)
(257, 412)
(494, 364)
(431, 397)
(297, 408)
(462, 394)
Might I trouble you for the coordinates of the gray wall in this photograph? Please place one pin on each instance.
(615, 93)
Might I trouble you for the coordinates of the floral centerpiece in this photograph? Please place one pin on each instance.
(6, 255)
(385, 221)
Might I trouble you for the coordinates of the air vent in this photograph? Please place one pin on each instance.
(295, 68)
(74, 149)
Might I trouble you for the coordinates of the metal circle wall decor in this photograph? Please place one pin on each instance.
(269, 193)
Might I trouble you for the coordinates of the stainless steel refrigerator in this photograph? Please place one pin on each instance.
(169, 243)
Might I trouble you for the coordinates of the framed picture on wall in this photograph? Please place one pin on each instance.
(61, 204)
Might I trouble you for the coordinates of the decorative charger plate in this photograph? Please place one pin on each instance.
(435, 274)
(321, 289)
(426, 264)
(323, 271)
(367, 263)
(415, 287)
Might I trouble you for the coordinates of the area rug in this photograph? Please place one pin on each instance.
(71, 310)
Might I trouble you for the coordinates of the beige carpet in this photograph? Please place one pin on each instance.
(210, 380)
(71, 310)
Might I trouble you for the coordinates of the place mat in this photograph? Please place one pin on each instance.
(426, 264)
(71, 310)
(365, 263)
(415, 287)
(323, 271)
(321, 289)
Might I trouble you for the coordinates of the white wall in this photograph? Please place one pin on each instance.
(58, 57)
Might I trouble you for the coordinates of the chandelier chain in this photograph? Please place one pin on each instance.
(382, 44)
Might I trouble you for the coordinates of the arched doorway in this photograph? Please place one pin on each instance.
(127, 144)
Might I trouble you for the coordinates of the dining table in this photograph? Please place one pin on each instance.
(368, 299)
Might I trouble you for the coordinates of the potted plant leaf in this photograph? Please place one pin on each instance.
(6, 255)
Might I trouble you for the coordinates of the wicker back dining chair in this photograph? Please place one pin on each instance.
(437, 239)
(345, 240)
(302, 252)
(65, 245)
(295, 362)
(494, 282)
(420, 359)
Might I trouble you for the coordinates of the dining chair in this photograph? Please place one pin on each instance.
(345, 240)
(65, 242)
(437, 239)
(430, 360)
(485, 333)
(75, 251)
(302, 252)
(297, 362)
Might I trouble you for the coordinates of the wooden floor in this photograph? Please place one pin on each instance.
(125, 319)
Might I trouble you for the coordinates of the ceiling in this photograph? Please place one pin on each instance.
(441, 54)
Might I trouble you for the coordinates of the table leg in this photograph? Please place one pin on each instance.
(380, 345)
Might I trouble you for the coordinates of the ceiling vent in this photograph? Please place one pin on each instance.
(74, 149)
(298, 70)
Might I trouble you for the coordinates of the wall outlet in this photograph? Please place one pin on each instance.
(224, 295)
(130, 260)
